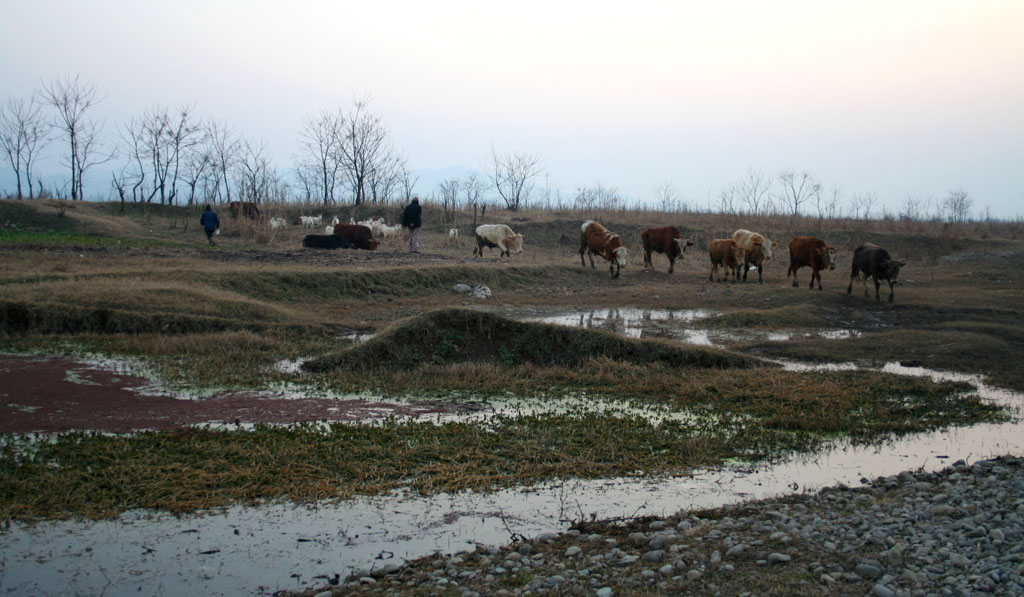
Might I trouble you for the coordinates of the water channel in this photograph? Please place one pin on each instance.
(287, 546)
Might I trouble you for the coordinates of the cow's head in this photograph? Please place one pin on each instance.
(828, 257)
(891, 269)
(515, 243)
(620, 256)
(766, 248)
(682, 243)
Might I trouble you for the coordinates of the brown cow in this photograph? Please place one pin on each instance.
(597, 239)
(245, 208)
(727, 253)
(667, 240)
(812, 252)
(758, 251)
(874, 262)
(361, 237)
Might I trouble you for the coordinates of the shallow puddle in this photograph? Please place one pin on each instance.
(285, 546)
(628, 321)
(674, 324)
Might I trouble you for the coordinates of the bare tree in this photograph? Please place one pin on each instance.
(72, 100)
(835, 195)
(797, 189)
(23, 133)
(667, 197)
(957, 206)
(727, 199)
(155, 143)
(598, 196)
(364, 147)
(385, 176)
(911, 210)
(472, 188)
(511, 174)
(862, 204)
(133, 172)
(254, 172)
(320, 142)
(448, 191)
(197, 163)
(754, 191)
(407, 182)
(224, 150)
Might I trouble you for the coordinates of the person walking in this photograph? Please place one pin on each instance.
(411, 220)
(210, 222)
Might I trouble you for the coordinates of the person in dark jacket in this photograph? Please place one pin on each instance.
(411, 220)
(210, 222)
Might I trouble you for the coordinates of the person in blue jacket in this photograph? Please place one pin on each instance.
(210, 222)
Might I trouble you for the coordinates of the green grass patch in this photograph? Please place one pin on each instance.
(95, 475)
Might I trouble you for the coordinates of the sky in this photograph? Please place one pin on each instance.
(901, 99)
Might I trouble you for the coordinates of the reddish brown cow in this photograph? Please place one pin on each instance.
(597, 239)
(813, 253)
(667, 240)
(245, 208)
(727, 253)
(874, 262)
(361, 237)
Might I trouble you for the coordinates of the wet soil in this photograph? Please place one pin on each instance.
(49, 394)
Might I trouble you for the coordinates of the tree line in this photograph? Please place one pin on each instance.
(172, 156)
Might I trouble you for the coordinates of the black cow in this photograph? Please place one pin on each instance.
(874, 261)
(325, 241)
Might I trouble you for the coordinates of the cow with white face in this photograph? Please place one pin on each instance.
(595, 239)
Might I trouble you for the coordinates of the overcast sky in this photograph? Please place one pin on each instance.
(898, 98)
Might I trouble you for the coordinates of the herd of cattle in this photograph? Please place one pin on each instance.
(740, 253)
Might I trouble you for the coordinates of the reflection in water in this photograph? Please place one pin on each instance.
(286, 546)
(637, 323)
(626, 321)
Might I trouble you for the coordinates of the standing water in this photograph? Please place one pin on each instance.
(287, 546)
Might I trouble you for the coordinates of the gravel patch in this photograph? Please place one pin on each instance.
(959, 531)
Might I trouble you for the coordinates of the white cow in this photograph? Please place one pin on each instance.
(500, 236)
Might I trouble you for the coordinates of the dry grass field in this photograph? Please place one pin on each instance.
(140, 282)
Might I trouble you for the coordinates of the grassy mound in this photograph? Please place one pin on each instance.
(461, 335)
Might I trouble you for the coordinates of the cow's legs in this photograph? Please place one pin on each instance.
(877, 285)
(671, 264)
(892, 290)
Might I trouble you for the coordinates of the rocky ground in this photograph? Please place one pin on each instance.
(956, 532)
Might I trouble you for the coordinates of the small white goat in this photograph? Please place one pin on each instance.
(312, 221)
